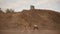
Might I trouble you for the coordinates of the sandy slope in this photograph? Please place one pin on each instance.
(14, 23)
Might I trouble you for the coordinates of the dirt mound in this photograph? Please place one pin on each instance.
(45, 19)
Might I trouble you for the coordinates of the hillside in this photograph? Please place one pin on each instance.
(45, 19)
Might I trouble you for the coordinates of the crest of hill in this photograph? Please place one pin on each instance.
(45, 19)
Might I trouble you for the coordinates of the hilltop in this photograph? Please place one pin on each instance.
(45, 19)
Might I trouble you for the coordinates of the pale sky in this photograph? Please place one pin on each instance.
(25, 4)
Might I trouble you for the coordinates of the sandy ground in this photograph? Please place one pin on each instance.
(30, 32)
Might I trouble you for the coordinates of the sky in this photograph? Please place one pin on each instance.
(19, 5)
